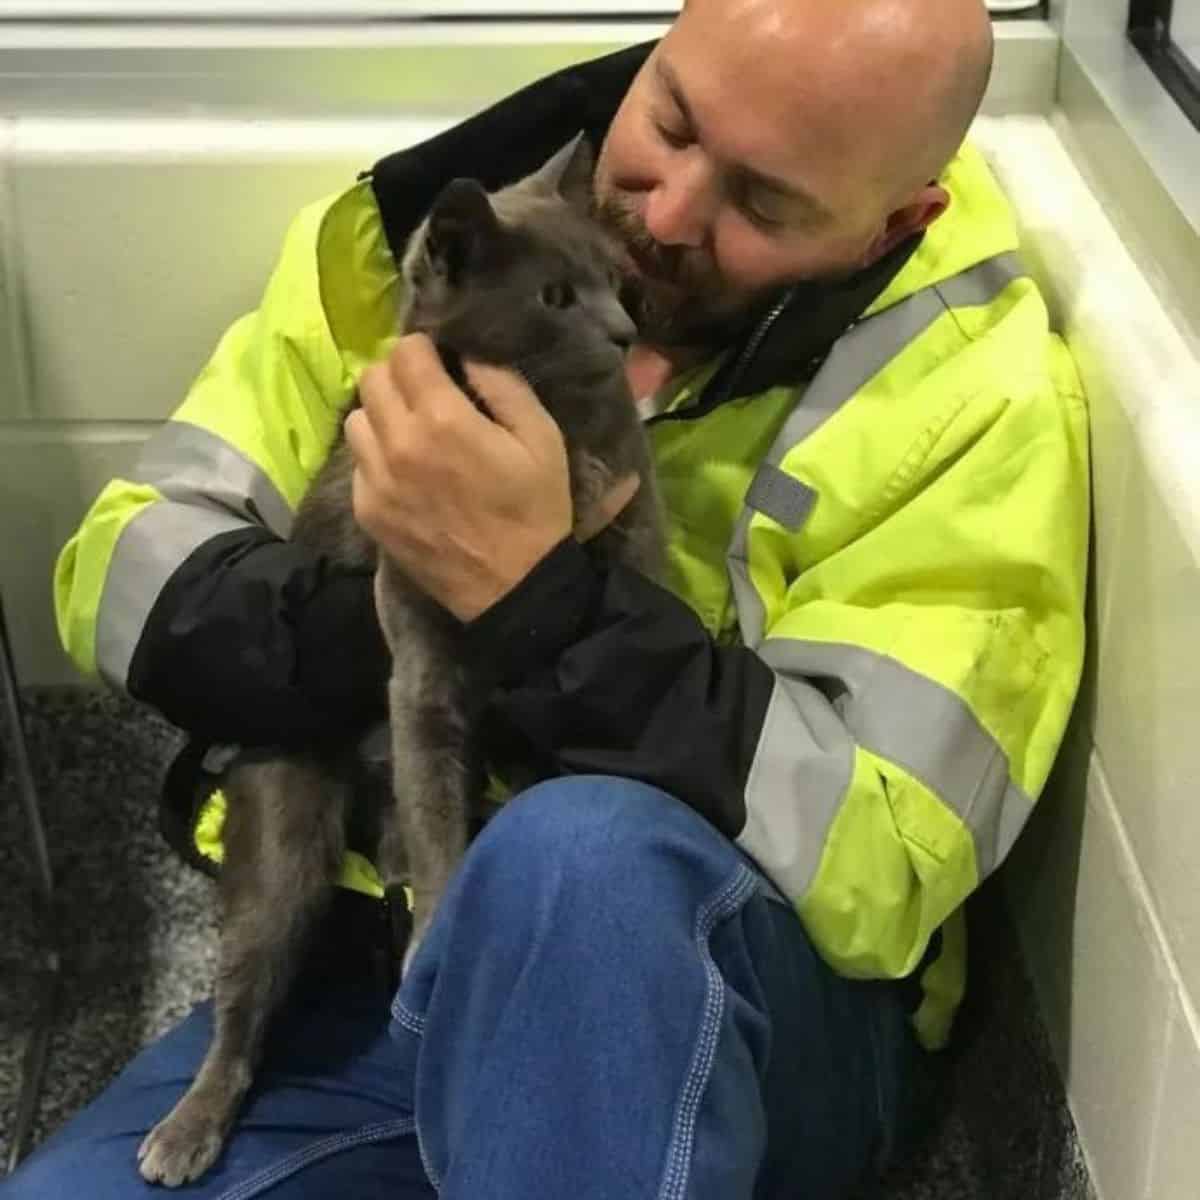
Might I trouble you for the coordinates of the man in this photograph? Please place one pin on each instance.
(707, 959)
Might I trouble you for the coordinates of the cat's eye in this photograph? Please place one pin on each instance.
(558, 295)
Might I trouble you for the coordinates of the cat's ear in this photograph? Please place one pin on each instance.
(568, 172)
(461, 223)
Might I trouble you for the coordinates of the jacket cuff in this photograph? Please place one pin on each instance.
(531, 625)
(342, 658)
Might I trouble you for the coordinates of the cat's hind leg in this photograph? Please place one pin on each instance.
(284, 837)
(426, 833)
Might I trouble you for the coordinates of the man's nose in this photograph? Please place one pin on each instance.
(680, 209)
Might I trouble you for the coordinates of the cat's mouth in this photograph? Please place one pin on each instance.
(595, 367)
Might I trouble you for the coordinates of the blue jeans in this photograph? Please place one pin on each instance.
(610, 1003)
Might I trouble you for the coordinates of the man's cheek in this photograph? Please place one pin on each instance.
(744, 266)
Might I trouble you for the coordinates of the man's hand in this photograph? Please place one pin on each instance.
(464, 505)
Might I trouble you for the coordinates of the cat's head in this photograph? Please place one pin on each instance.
(522, 277)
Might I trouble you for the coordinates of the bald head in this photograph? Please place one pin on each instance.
(766, 141)
(894, 81)
(940, 57)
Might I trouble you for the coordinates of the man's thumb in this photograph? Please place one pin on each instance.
(509, 400)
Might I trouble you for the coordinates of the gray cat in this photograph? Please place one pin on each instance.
(522, 278)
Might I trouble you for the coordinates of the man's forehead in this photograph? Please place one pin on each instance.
(855, 90)
(750, 105)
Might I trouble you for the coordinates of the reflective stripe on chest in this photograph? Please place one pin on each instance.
(717, 471)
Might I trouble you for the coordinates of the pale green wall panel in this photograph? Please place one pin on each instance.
(134, 263)
(49, 475)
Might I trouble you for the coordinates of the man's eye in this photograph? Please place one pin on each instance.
(760, 219)
(674, 138)
(744, 199)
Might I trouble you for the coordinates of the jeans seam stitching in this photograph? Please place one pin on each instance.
(434, 1178)
(415, 1025)
(299, 1159)
(411, 1021)
(679, 1152)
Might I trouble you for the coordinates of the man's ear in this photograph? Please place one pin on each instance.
(461, 222)
(918, 214)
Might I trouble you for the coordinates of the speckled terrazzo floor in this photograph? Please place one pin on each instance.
(137, 935)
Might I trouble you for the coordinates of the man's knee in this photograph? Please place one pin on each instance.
(584, 816)
(600, 832)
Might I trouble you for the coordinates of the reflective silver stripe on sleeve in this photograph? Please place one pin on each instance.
(856, 358)
(148, 552)
(804, 761)
(916, 723)
(192, 465)
(802, 769)
(781, 497)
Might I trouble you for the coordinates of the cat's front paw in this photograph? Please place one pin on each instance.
(182, 1146)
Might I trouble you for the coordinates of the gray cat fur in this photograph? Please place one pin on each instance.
(285, 831)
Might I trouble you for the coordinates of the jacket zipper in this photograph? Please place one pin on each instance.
(720, 390)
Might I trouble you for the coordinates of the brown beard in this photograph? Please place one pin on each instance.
(677, 298)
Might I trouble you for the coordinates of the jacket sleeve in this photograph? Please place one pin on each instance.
(877, 745)
(180, 587)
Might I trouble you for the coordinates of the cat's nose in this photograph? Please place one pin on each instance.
(618, 324)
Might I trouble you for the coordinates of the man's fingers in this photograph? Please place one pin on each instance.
(607, 509)
(417, 370)
(384, 406)
(360, 437)
(511, 401)
(429, 391)
(420, 379)
(370, 466)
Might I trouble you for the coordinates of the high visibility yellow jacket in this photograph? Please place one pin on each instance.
(862, 663)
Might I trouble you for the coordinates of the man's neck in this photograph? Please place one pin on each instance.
(649, 367)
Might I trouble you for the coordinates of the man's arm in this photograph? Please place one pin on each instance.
(881, 745)
(258, 641)
(605, 672)
(880, 740)
(179, 586)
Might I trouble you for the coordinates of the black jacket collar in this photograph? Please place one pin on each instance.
(515, 136)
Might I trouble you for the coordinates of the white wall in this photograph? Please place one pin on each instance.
(1104, 880)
